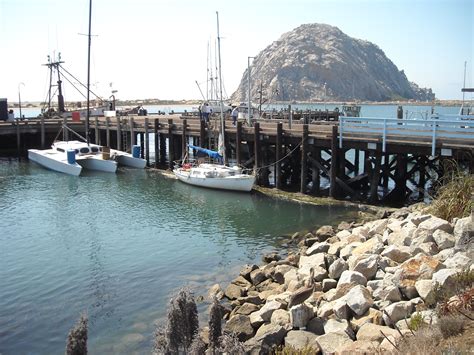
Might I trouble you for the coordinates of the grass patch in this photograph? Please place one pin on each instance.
(453, 197)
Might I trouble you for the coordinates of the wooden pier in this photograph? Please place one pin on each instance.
(362, 159)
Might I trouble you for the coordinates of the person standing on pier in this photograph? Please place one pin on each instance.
(205, 112)
(235, 114)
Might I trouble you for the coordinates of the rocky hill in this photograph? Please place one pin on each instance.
(317, 61)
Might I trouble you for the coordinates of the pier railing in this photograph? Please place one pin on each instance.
(393, 129)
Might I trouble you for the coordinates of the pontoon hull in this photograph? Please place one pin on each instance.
(97, 163)
(127, 159)
(54, 160)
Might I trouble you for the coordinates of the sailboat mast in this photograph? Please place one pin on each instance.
(220, 85)
(88, 71)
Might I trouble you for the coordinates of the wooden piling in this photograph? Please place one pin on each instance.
(278, 144)
(184, 145)
(96, 132)
(238, 140)
(132, 132)
(334, 165)
(375, 178)
(119, 134)
(142, 145)
(304, 148)
(202, 134)
(107, 131)
(147, 142)
(43, 135)
(156, 141)
(171, 156)
(18, 137)
(256, 147)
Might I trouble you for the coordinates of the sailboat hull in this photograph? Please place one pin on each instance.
(238, 182)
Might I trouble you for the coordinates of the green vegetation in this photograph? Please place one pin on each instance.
(454, 196)
(289, 350)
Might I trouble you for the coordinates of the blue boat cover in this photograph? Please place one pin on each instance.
(213, 154)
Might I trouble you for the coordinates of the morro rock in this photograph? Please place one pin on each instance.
(316, 62)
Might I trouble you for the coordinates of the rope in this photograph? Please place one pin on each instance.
(287, 155)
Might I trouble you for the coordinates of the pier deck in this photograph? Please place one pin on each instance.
(358, 158)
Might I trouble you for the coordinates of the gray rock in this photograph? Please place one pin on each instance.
(233, 291)
(270, 334)
(246, 309)
(443, 240)
(341, 309)
(434, 223)
(425, 290)
(399, 238)
(257, 276)
(316, 326)
(240, 326)
(316, 248)
(335, 326)
(307, 262)
(280, 317)
(372, 332)
(464, 234)
(215, 292)
(348, 277)
(428, 248)
(300, 315)
(397, 253)
(359, 300)
(331, 342)
(445, 277)
(324, 233)
(329, 284)
(458, 261)
(368, 266)
(346, 251)
(267, 310)
(246, 270)
(397, 311)
(300, 339)
(337, 268)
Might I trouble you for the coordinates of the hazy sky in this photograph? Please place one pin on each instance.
(158, 48)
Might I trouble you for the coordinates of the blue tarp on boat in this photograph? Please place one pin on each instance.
(213, 154)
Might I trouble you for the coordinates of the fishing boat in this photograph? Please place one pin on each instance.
(214, 175)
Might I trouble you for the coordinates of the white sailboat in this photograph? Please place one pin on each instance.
(215, 175)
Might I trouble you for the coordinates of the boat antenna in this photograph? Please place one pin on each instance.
(464, 83)
(220, 88)
(88, 72)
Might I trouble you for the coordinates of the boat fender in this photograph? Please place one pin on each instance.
(71, 156)
(136, 151)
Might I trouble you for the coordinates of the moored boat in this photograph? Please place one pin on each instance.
(55, 160)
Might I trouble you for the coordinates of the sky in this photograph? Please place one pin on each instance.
(159, 48)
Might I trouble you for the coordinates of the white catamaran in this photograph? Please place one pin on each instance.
(70, 157)
(215, 175)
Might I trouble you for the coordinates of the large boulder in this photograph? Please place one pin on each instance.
(331, 342)
(240, 326)
(337, 268)
(359, 300)
(373, 332)
(435, 223)
(420, 267)
(300, 339)
(355, 277)
(397, 311)
(300, 315)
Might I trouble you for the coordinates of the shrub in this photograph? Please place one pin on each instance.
(416, 321)
(453, 197)
(289, 350)
(451, 325)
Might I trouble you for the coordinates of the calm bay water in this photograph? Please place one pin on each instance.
(117, 246)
